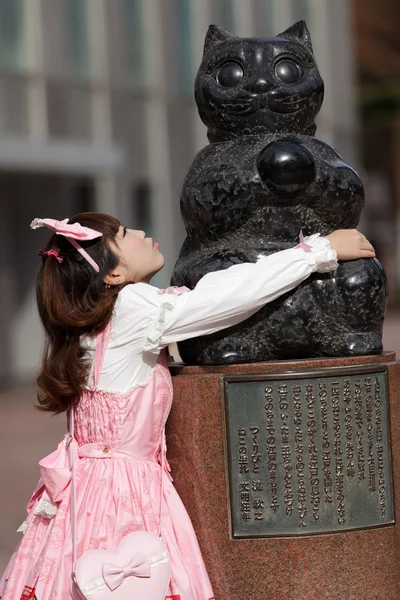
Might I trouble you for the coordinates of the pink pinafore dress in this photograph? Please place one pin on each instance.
(118, 487)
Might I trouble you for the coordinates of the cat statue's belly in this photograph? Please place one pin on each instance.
(238, 204)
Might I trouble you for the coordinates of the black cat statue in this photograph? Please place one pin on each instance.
(263, 178)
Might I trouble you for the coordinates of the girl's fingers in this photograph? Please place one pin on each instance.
(367, 246)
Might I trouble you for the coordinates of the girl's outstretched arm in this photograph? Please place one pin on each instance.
(220, 299)
(224, 298)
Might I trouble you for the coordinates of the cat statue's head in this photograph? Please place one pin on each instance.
(247, 86)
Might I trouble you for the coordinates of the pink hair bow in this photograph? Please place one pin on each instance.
(72, 232)
(114, 575)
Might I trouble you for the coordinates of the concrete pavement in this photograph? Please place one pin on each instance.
(26, 435)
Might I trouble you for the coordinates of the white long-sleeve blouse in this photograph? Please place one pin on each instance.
(147, 319)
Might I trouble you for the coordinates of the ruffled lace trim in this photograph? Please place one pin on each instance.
(23, 527)
(156, 327)
(45, 508)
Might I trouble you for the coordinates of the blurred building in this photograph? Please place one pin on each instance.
(377, 44)
(97, 113)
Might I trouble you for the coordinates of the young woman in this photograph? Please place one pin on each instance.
(104, 364)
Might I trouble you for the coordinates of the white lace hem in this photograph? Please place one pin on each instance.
(46, 509)
(23, 527)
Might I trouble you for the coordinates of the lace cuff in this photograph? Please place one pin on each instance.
(155, 329)
(322, 257)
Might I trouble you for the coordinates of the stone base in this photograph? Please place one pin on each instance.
(355, 565)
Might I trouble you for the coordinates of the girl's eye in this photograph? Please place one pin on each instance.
(124, 231)
(288, 71)
(230, 74)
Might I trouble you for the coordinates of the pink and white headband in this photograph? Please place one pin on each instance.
(72, 233)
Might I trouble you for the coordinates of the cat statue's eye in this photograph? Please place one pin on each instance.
(288, 71)
(230, 74)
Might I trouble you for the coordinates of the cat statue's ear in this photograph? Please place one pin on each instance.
(216, 35)
(298, 32)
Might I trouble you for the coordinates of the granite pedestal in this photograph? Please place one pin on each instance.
(360, 564)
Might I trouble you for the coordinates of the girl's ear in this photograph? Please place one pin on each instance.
(114, 278)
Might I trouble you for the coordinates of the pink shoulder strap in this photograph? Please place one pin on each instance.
(101, 345)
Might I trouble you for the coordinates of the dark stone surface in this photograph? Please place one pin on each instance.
(262, 179)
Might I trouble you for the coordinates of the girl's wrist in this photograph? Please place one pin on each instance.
(322, 256)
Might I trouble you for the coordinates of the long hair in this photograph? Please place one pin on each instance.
(73, 301)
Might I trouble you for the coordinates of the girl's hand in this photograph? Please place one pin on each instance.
(350, 244)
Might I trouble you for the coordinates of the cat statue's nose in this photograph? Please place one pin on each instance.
(262, 85)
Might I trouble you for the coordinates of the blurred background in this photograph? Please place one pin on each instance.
(97, 113)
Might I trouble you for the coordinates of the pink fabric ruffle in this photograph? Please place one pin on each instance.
(76, 231)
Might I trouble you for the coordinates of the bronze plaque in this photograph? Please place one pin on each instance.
(308, 453)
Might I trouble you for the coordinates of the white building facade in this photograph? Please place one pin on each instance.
(97, 113)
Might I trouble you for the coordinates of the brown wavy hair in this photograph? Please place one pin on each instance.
(73, 301)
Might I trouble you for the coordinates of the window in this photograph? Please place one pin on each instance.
(135, 42)
(12, 42)
(83, 196)
(76, 20)
(227, 15)
(301, 10)
(184, 46)
(268, 18)
(142, 207)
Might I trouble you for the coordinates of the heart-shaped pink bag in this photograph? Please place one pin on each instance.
(127, 572)
(138, 569)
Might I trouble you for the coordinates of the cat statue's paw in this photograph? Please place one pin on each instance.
(286, 167)
(361, 344)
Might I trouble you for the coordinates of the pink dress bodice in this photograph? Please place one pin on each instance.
(129, 425)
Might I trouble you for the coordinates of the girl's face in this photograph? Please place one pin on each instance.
(139, 258)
